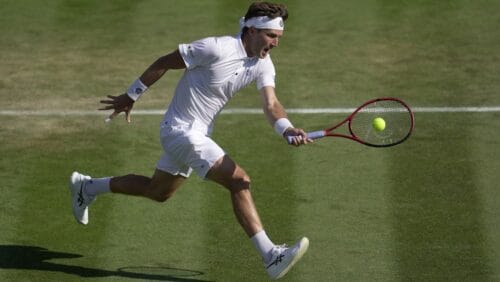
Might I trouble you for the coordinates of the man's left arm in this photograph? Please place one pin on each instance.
(277, 117)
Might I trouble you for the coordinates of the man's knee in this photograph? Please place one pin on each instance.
(161, 195)
(228, 174)
(163, 186)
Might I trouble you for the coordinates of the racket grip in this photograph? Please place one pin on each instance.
(311, 135)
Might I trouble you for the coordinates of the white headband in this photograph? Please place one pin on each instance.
(263, 22)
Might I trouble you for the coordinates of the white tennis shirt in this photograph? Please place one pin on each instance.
(216, 68)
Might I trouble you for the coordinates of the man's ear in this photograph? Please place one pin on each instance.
(252, 30)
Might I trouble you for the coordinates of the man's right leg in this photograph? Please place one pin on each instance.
(159, 188)
(84, 189)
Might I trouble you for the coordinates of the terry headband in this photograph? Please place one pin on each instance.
(263, 22)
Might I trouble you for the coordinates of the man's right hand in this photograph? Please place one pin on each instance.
(122, 103)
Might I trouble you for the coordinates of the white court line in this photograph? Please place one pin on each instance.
(247, 111)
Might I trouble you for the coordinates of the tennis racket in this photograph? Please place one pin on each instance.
(395, 124)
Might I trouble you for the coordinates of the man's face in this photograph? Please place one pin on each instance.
(262, 41)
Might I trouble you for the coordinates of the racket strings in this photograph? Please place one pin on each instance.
(398, 123)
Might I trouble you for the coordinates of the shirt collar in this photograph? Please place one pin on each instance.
(241, 49)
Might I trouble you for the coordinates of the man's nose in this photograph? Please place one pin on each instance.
(275, 42)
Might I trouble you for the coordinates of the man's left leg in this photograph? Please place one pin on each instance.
(277, 259)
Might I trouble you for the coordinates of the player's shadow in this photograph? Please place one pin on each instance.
(37, 258)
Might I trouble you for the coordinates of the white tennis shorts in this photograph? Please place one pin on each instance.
(187, 149)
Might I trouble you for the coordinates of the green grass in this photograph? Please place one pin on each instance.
(424, 210)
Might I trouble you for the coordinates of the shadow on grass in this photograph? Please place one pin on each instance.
(37, 258)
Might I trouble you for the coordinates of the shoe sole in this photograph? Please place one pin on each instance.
(304, 245)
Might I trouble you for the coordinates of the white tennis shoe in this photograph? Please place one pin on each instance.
(284, 258)
(79, 199)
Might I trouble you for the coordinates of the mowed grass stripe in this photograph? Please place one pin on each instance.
(438, 225)
(486, 158)
(436, 202)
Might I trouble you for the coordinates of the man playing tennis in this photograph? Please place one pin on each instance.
(215, 69)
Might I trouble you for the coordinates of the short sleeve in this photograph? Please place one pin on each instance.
(199, 53)
(267, 74)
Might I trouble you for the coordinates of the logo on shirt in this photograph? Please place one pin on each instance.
(190, 51)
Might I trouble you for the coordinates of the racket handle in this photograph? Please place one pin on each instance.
(310, 135)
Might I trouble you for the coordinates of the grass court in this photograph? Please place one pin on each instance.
(426, 210)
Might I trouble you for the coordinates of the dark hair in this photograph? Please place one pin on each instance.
(259, 9)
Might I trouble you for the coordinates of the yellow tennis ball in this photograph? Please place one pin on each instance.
(378, 124)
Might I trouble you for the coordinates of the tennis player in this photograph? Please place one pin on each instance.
(215, 69)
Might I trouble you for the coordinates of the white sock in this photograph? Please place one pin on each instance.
(263, 244)
(96, 186)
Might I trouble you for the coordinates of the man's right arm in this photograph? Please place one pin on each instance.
(160, 66)
(125, 102)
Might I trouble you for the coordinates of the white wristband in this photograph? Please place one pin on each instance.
(136, 89)
(281, 125)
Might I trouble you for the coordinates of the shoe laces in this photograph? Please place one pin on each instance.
(278, 249)
(282, 246)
